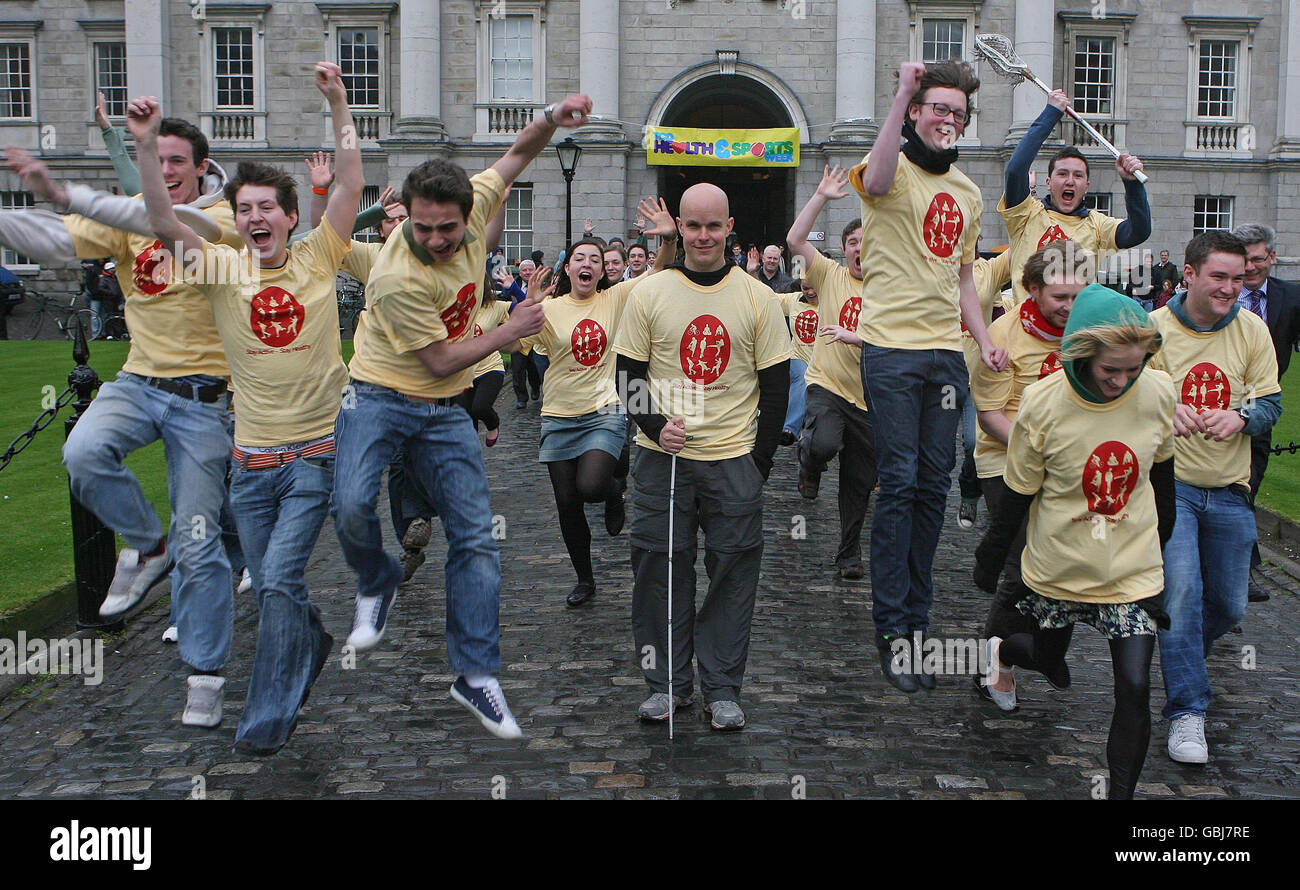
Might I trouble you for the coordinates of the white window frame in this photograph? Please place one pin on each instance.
(1232, 207)
(233, 15)
(512, 212)
(1220, 137)
(501, 121)
(1115, 25)
(8, 253)
(100, 31)
(375, 122)
(919, 11)
(1095, 200)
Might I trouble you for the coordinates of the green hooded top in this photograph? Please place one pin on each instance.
(1095, 306)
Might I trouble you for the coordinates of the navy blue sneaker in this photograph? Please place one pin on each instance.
(368, 623)
(488, 704)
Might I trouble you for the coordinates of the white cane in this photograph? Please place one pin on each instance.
(672, 500)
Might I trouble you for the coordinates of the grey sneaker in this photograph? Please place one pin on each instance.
(134, 576)
(967, 512)
(656, 706)
(203, 706)
(417, 534)
(726, 715)
(1187, 739)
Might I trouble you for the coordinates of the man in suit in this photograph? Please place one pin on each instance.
(1278, 303)
(1165, 271)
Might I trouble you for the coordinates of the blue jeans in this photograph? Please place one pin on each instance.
(446, 458)
(968, 478)
(1207, 568)
(915, 398)
(798, 397)
(129, 414)
(280, 512)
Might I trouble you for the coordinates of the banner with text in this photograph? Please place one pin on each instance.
(693, 147)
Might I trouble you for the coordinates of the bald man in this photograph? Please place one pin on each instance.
(704, 344)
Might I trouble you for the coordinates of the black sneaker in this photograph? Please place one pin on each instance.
(615, 513)
(582, 591)
(892, 669)
(488, 704)
(788, 438)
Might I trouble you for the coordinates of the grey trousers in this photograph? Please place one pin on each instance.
(725, 499)
(832, 426)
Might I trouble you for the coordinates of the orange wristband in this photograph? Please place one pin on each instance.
(316, 191)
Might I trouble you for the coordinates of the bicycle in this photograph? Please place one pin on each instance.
(352, 300)
(62, 314)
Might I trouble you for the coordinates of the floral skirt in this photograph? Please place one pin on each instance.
(1112, 620)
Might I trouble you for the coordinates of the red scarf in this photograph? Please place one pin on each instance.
(1032, 320)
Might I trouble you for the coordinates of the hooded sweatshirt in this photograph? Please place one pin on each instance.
(1098, 305)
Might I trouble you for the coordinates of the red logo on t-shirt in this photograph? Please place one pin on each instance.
(705, 349)
(849, 313)
(1109, 477)
(1050, 365)
(1206, 388)
(943, 225)
(588, 342)
(152, 271)
(805, 326)
(276, 317)
(1053, 234)
(456, 316)
(478, 330)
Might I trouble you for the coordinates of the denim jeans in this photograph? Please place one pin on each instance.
(915, 398)
(1207, 567)
(798, 396)
(129, 414)
(407, 500)
(280, 512)
(229, 540)
(968, 479)
(446, 458)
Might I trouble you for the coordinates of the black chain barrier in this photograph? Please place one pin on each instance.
(45, 419)
(1289, 449)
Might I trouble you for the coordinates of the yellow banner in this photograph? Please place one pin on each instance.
(693, 147)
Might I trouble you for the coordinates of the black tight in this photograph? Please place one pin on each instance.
(478, 402)
(1130, 725)
(578, 481)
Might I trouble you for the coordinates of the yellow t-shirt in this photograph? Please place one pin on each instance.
(1092, 529)
(1032, 226)
(915, 239)
(576, 337)
(1220, 369)
(281, 333)
(704, 346)
(172, 331)
(836, 367)
(361, 259)
(491, 315)
(989, 276)
(1029, 359)
(802, 320)
(413, 301)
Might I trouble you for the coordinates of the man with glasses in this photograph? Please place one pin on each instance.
(1032, 224)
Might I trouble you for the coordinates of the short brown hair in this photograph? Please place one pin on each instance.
(1068, 152)
(953, 74)
(439, 182)
(1214, 241)
(257, 173)
(1063, 256)
(174, 126)
(615, 247)
(853, 225)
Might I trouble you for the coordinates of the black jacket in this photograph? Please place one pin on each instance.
(1283, 312)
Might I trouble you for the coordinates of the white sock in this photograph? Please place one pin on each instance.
(478, 681)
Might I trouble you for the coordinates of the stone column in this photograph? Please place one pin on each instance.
(1288, 104)
(598, 67)
(855, 72)
(421, 96)
(1035, 23)
(149, 49)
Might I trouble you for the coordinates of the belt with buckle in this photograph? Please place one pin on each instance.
(208, 392)
(446, 401)
(262, 460)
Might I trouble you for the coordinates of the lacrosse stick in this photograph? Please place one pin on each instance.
(1000, 52)
(672, 501)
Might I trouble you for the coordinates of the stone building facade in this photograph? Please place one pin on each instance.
(1211, 102)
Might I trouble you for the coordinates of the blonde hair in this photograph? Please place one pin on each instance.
(1088, 342)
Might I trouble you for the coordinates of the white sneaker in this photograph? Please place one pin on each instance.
(1187, 739)
(203, 706)
(1006, 701)
(488, 704)
(169, 635)
(370, 620)
(967, 512)
(245, 583)
(134, 575)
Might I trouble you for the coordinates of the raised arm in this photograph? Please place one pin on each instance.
(663, 225)
(878, 178)
(143, 118)
(831, 188)
(321, 178)
(128, 176)
(496, 226)
(1016, 186)
(349, 181)
(1137, 228)
(572, 112)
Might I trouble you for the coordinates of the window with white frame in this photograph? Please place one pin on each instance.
(1093, 62)
(10, 200)
(16, 93)
(943, 30)
(943, 39)
(511, 66)
(517, 238)
(1216, 78)
(110, 76)
(232, 53)
(510, 42)
(1100, 202)
(1094, 75)
(1211, 212)
(358, 55)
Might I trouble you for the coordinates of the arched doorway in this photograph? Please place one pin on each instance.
(761, 198)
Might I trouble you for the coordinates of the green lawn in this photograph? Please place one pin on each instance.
(1281, 489)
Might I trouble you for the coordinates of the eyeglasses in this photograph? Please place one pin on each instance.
(941, 110)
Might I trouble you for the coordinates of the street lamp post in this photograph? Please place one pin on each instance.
(569, 152)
